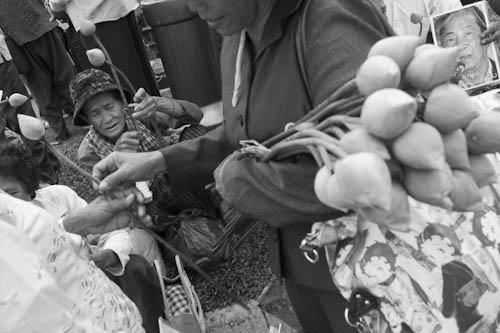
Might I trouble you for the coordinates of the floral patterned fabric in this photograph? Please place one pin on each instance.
(46, 286)
(441, 276)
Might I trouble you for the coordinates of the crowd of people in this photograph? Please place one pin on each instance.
(88, 267)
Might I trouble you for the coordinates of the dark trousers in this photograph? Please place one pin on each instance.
(140, 283)
(318, 311)
(10, 82)
(123, 41)
(49, 76)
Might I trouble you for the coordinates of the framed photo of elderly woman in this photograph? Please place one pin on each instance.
(478, 65)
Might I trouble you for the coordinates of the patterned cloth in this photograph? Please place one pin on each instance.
(103, 147)
(177, 300)
(24, 20)
(47, 286)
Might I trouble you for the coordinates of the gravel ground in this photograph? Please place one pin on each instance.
(245, 274)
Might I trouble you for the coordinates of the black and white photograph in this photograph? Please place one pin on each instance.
(478, 62)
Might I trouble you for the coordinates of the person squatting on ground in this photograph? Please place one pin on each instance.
(40, 55)
(268, 82)
(126, 255)
(98, 104)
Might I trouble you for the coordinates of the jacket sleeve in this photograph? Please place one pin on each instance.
(191, 163)
(339, 35)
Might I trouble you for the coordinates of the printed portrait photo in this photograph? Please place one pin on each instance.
(478, 64)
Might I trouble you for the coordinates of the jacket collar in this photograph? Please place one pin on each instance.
(276, 21)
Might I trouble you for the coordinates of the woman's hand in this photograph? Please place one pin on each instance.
(145, 106)
(129, 142)
(115, 210)
(492, 34)
(121, 168)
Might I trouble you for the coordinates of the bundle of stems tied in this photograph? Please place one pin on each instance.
(398, 129)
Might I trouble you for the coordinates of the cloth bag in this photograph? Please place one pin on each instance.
(183, 311)
(443, 275)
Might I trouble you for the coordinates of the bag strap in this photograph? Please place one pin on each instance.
(301, 48)
(166, 306)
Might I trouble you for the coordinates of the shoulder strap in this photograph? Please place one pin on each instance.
(301, 46)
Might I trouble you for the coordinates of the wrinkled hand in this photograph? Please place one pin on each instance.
(118, 169)
(145, 105)
(116, 210)
(492, 34)
(129, 142)
(105, 259)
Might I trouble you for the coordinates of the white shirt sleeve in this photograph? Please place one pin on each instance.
(119, 242)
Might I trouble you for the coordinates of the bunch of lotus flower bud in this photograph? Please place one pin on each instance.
(417, 135)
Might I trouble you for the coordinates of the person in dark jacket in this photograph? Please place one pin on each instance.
(264, 88)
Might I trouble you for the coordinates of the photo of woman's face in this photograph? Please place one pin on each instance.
(463, 31)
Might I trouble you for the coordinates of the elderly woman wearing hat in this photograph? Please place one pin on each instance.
(280, 58)
(98, 103)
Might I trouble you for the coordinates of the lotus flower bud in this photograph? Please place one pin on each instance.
(359, 140)
(455, 150)
(87, 28)
(420, 147)
(364, 179)
(482, 170)
(398, 217)
(32, 128)
(483, 135)
(377, 72)
(321, 183)
(416, 18)
(399, 48)
(465, 194)
(432, 66)
(430, 186)
(16, 100)
(96, 57)
(388, 112)
(449, 108)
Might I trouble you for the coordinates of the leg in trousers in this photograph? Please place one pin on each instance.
(49, 78)
(140, 283)
(318, 311)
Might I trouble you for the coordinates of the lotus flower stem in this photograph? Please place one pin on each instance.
(340, 106)
(197, 268)
(315, 154)
(113, 70)
(325, 158)
(129, 84)
(72, 164)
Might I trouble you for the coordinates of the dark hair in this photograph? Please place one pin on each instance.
(17, 163)
(441, 22)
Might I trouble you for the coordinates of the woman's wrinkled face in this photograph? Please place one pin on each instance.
(226, 16)
(105, 113)
(14, 188)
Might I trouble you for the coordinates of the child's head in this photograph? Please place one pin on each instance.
(19, 174)
(98, 103)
